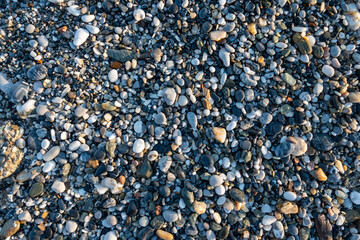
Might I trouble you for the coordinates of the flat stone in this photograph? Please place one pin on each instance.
(355, 197)
(320, 175)
(36, 190)
(139, 146)
(287, 207)
(71, 226)
(323, 227)
(300, 146)
(144, 169)
(37, 72)
(322, 142)
(165, 163)
(354, 97)
(113, 75)
(224, 55)
(10, 227)
(109, 183)
(160, 119)
(192, 119)
(216, 180)
(199, 207)
(164, 235)
(328, 70)
(289, 79)
(170, 96)
(237, 194)
(170, 216)
(290, 196)
(122, 55)
(81, 35)
(111, 235)
(217, 35)
(58, 186)
(268, 220)
(219, 133)
(52, 153)
(302, 43)
(25, 216)
(284, 149)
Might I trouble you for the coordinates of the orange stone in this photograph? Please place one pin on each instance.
(220, 134)
(122, 179)
(92, 164)
(63, 29)
(164, 235)
(320, 175)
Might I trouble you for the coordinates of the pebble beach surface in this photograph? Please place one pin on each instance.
(179, 119)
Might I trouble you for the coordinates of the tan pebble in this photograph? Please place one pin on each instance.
(199, 207)
(92, 164)
(206, 104)
(320, 175)
(164, 235)
(252, 28)
(122, 179)
(287, 208)
(218, 35)
(354, 97)
(220, 134)
(339, 166)
(9, 228)
(300, 146)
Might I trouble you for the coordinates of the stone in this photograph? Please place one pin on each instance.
(192, 119)
(323, 227)
(302, 43)
(287, 207)
(10, 227)
(278, 230)
(219, 134)
(109, 183)
(322, 142)
(165, 163)
(58, 186)
(290, 196)
(354, 97)
(164, 235)
(92, 29)
(289, 79)
(224, 232)
(320, 175)
(71, 226)
(170, 216)
(199, 207)
(328, 70)
(144, 169)
(217, 35)
(75, 145)
(51, 154)
(237, 194)
(170, 96)
(81, 35)
(74, 10)
(87, 18)
(335, 51)
(300, 146)
(353, 17)
(251, 27)
(284, 149)
(139, 14)
(10, 155)
(216, 180)
(132, 209)
(224, 55)
(80, 111)
(160, 119)
(111, 235)
(355, 197)
(25, 216)
(37, 72)
(43, 41)
(49, 166)
(274, 128)
(139, 146)
(268, 220)
(36, 190)
(113, 75)
(30, 28)
(122, 55)
(111, 220)
(144, 221)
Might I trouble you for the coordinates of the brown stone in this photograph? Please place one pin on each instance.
(323, 228)
(10, 228)
(219, 133)
(115, 65)
(302, 43)
(92, 164)
(320, 175)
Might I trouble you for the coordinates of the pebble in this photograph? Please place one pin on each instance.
(170, 216)
(37, 72)
(113, 75)
(139, 14)
(58, 186)
(52, 153)
(355, 197)
(10, 227)
(36, 190)
(328, 70)
(354, 97)
(217, 35)
(71, 226)
(170, 96)
(164, 235)
(165, 163)
(322, 142)
(139, 146)
(43, 41)
(216, 180)
(30, 28)
(111, 220)
(219, 133)
(88, 18)
(25, 216)
(300, 146)
(81, 35)
(49, 166)
(268, 220)
(111, 235)
(290, 196)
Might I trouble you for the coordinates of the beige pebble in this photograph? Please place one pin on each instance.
(320, 175)
(220, 134)
(354, 97)
(164, 235)
(287, 208)
(218, 35)
(252, 28)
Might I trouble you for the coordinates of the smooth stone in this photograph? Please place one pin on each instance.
(122, 55)
(217, 35)
(109, 183)
(289, 79)
(300, 147)
(42, 109)
(49, 166)
(164, 235)
(328, 70)
(36, 190)
(10, 227)
(132, 209)
(192, 119)
(290, 196)
(81, 35)
(284, 149)
(170, 216)
(216, 181)
(52, 153)
(71, 226)
(278, 230)
(139, 14)
(199, 207)
(74, 10)
(144, 169)
(160, 118)
(43, 41)
(92, 29)
(139, 146)
(113, 75)
(237, 194)
(183, 101)
(335, 51)
(224, 55)
(37, 72)
(322, 142)
(144, 221)
(88, 18)
(25, 216)
(355, 197)
(111, 220)
(58, 186)
(323, 227)
(111, 235)
(224, 232)
(170, 96)
(268, 220)
(302, 43)
(30, 28)
(354, 97)
(219, 133)
(75, 145)
(80, 111)
(165, 163)
(318, 88)
(287, 207)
